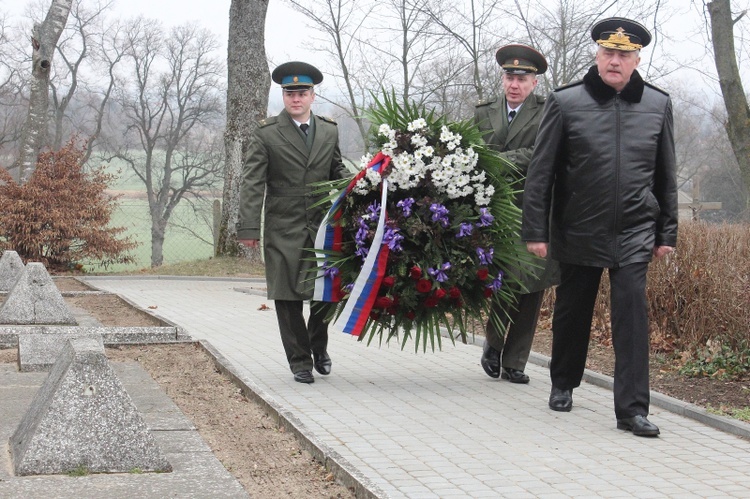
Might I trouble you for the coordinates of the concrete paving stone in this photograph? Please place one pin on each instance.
(393, 391)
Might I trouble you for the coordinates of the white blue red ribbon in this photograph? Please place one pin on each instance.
(356, 311)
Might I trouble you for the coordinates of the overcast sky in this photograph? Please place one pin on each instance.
(286, 33)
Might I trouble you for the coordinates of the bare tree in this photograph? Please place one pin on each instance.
(467, 23)
(172, 107)
(78, 49)
(341, 22)
(12, 106)
(248, 83)
(735, 99)
(43, 42)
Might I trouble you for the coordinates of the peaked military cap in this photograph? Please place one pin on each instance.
(296, 75)
(620, 34)
(521, 59)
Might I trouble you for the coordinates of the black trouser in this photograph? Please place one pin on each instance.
(519, 318)
(300, 339)
(571, 328)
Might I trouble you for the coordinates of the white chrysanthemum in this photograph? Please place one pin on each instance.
(387, 131)
(389, 147)
(479, 177)
(483, 194)
(364, 161)
(418, 140)
(426, 151)
(362, 187)
(373, 177)
(417, 124)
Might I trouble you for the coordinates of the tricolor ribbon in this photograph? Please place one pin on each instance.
(353, 317)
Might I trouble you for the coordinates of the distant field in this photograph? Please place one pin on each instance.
(179, 244)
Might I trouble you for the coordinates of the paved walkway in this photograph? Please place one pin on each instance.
(424, 425)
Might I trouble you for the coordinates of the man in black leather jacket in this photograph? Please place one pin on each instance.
(604, 165)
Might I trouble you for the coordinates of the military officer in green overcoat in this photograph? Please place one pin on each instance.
(510, 125)
(286, 154)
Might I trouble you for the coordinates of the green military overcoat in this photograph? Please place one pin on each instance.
(278, 169)
(515, 142)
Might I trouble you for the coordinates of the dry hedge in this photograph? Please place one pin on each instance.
(697, 294)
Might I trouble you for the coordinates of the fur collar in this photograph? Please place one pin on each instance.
(602, 92)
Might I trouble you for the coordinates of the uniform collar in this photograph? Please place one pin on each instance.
(602, 92)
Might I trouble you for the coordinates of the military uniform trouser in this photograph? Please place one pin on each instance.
(571, 329)
(519, 319)
(301, 338)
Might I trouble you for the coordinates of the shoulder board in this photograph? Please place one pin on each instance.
(326, 118)
(271, 120)
(486, 102)
(651, 85)
(569, 85)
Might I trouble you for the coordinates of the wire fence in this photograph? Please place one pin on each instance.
(189, 235)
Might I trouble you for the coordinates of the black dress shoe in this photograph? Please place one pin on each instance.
(304, 377)
(639, 425)
(514, 375)
(322, 363)
(490, 360)
(561, 400)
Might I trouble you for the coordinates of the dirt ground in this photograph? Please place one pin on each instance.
(270, 463)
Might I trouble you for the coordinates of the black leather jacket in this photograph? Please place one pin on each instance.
(604, 163)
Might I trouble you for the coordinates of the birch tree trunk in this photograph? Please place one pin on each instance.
(248, 82)
(44, 40)
(735, 100)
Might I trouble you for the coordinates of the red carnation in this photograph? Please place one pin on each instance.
(431, 302)
(415, 272)
(410, 315)
(440, 293)
(383, 302)
(482, 273)
(388, 281)
(454, 292)
(487, 292)
(424, 285)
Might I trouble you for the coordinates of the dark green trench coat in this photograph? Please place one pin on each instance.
(278, 170)
(515, 142)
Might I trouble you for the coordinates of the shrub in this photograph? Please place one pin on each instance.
(699, 297)
(701, 293)
(61, 216)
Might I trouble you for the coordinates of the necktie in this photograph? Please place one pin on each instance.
(304, 127)
(511, 115)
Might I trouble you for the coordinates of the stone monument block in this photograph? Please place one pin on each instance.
(11, 266)
(35, 300)
(39, 351)
(82, 418)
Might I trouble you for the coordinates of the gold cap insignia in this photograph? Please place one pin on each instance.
(295, 79)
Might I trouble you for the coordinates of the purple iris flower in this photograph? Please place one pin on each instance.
(374, 209)
(362, 252)
(496, 283)
(464, 230)
(485, 217)
(485, 255)
(439, 274)
(392, 238)
(361, 236)
(405, 205)
(440, 214)
(348, 288)
(330, 272)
